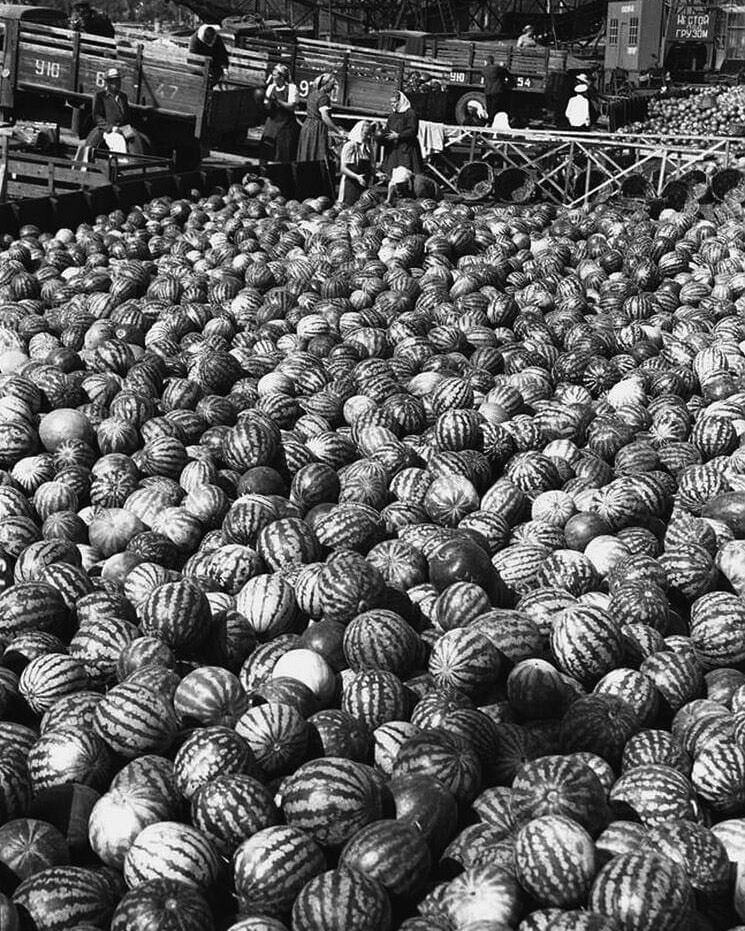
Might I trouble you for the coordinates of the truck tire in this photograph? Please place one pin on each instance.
(472, 100)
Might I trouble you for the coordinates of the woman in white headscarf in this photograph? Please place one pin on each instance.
(400, 137)
(313, 145)
(208, 42)
(356, 163)
(281, 130)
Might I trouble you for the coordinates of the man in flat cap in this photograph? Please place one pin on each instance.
(112, 118)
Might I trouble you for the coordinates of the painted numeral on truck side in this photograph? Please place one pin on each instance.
(46, 69)
(303, 89)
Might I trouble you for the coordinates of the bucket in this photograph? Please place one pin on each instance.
(514, 186)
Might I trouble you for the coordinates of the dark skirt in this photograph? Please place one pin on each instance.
(313, 144)
(279, 141)
(404, 154)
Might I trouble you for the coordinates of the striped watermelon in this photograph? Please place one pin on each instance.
(718, 776)
(31, 606)
(29, 846)
(556, 785)
(171, 850)
(656, 793)
(99, 647)
(337, 733)
(394, 853)
(380, 639)
(343, 899)
(586, 642)
(50, 677)
(119, 816)
(210, 695)
(481, 893)
(644, 891)
(160, 902)
(69, 754)
(177, 613)
(230, 808)
(374, 696)
(268, 604)
(205, 754)
(15, 782)
(152, 772)
(270, 869)
(555, 860)
(277, 736)
(600, 724)
(699, 851)
(134, 720)
(331, 799)
(75, 710)
(61, 897)
(449, 759)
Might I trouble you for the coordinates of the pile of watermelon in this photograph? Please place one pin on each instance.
(372, 568)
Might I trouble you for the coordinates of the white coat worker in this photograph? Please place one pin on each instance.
(526, 39)
(578, 108)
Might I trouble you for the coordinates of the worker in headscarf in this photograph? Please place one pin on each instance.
(281, 130)
(356, 163)
(208, 42)
(313, 145)
(526, 39)
(400, 137)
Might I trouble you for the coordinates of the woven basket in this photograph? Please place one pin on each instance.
(728, 183)
(475, 180)
(637, 186)
(514, 186)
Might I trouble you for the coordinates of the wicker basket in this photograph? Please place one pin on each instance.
(637, 186)
(475, 181)
(728, 183)
(514, 186)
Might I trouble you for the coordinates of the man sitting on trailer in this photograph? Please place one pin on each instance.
(112, 119)
(85, 19)
(207, 41)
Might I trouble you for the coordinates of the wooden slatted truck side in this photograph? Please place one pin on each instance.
(47, 68)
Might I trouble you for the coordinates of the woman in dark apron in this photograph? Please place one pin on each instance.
(281, 130)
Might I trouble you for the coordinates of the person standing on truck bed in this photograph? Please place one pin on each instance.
(526, 39)
(84, 18)
(497, 86)
(207, 41)
(313, 145)
(281, 130)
